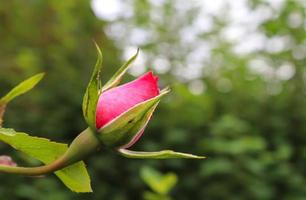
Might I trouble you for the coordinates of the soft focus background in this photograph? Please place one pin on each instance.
(237, 70)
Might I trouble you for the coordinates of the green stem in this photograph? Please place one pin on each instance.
(82, 146)
(33, 171)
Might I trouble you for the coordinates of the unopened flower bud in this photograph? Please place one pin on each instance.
(124, 111)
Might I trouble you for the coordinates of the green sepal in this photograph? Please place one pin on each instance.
(121, 131)
(92, 93)
(75, 176)
(116, 78)
(165, 154)
(21, 88)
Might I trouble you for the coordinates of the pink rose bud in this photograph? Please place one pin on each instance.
(7, 160)
(118, 115)
(116, 101)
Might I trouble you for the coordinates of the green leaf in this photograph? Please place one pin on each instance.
(22, 88)
(125, 127)
(159, 183)
(116, 78)
(75, 176)
(91, 96)
(165, 154)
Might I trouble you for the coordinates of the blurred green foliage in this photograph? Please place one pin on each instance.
(161, 184)
(250, 124)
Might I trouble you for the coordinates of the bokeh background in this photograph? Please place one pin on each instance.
(237, 73)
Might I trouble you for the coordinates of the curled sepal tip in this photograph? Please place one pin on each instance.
(165, 154)
(116, 78)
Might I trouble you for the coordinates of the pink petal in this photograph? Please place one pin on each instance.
(7, 160)
(117, 100)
